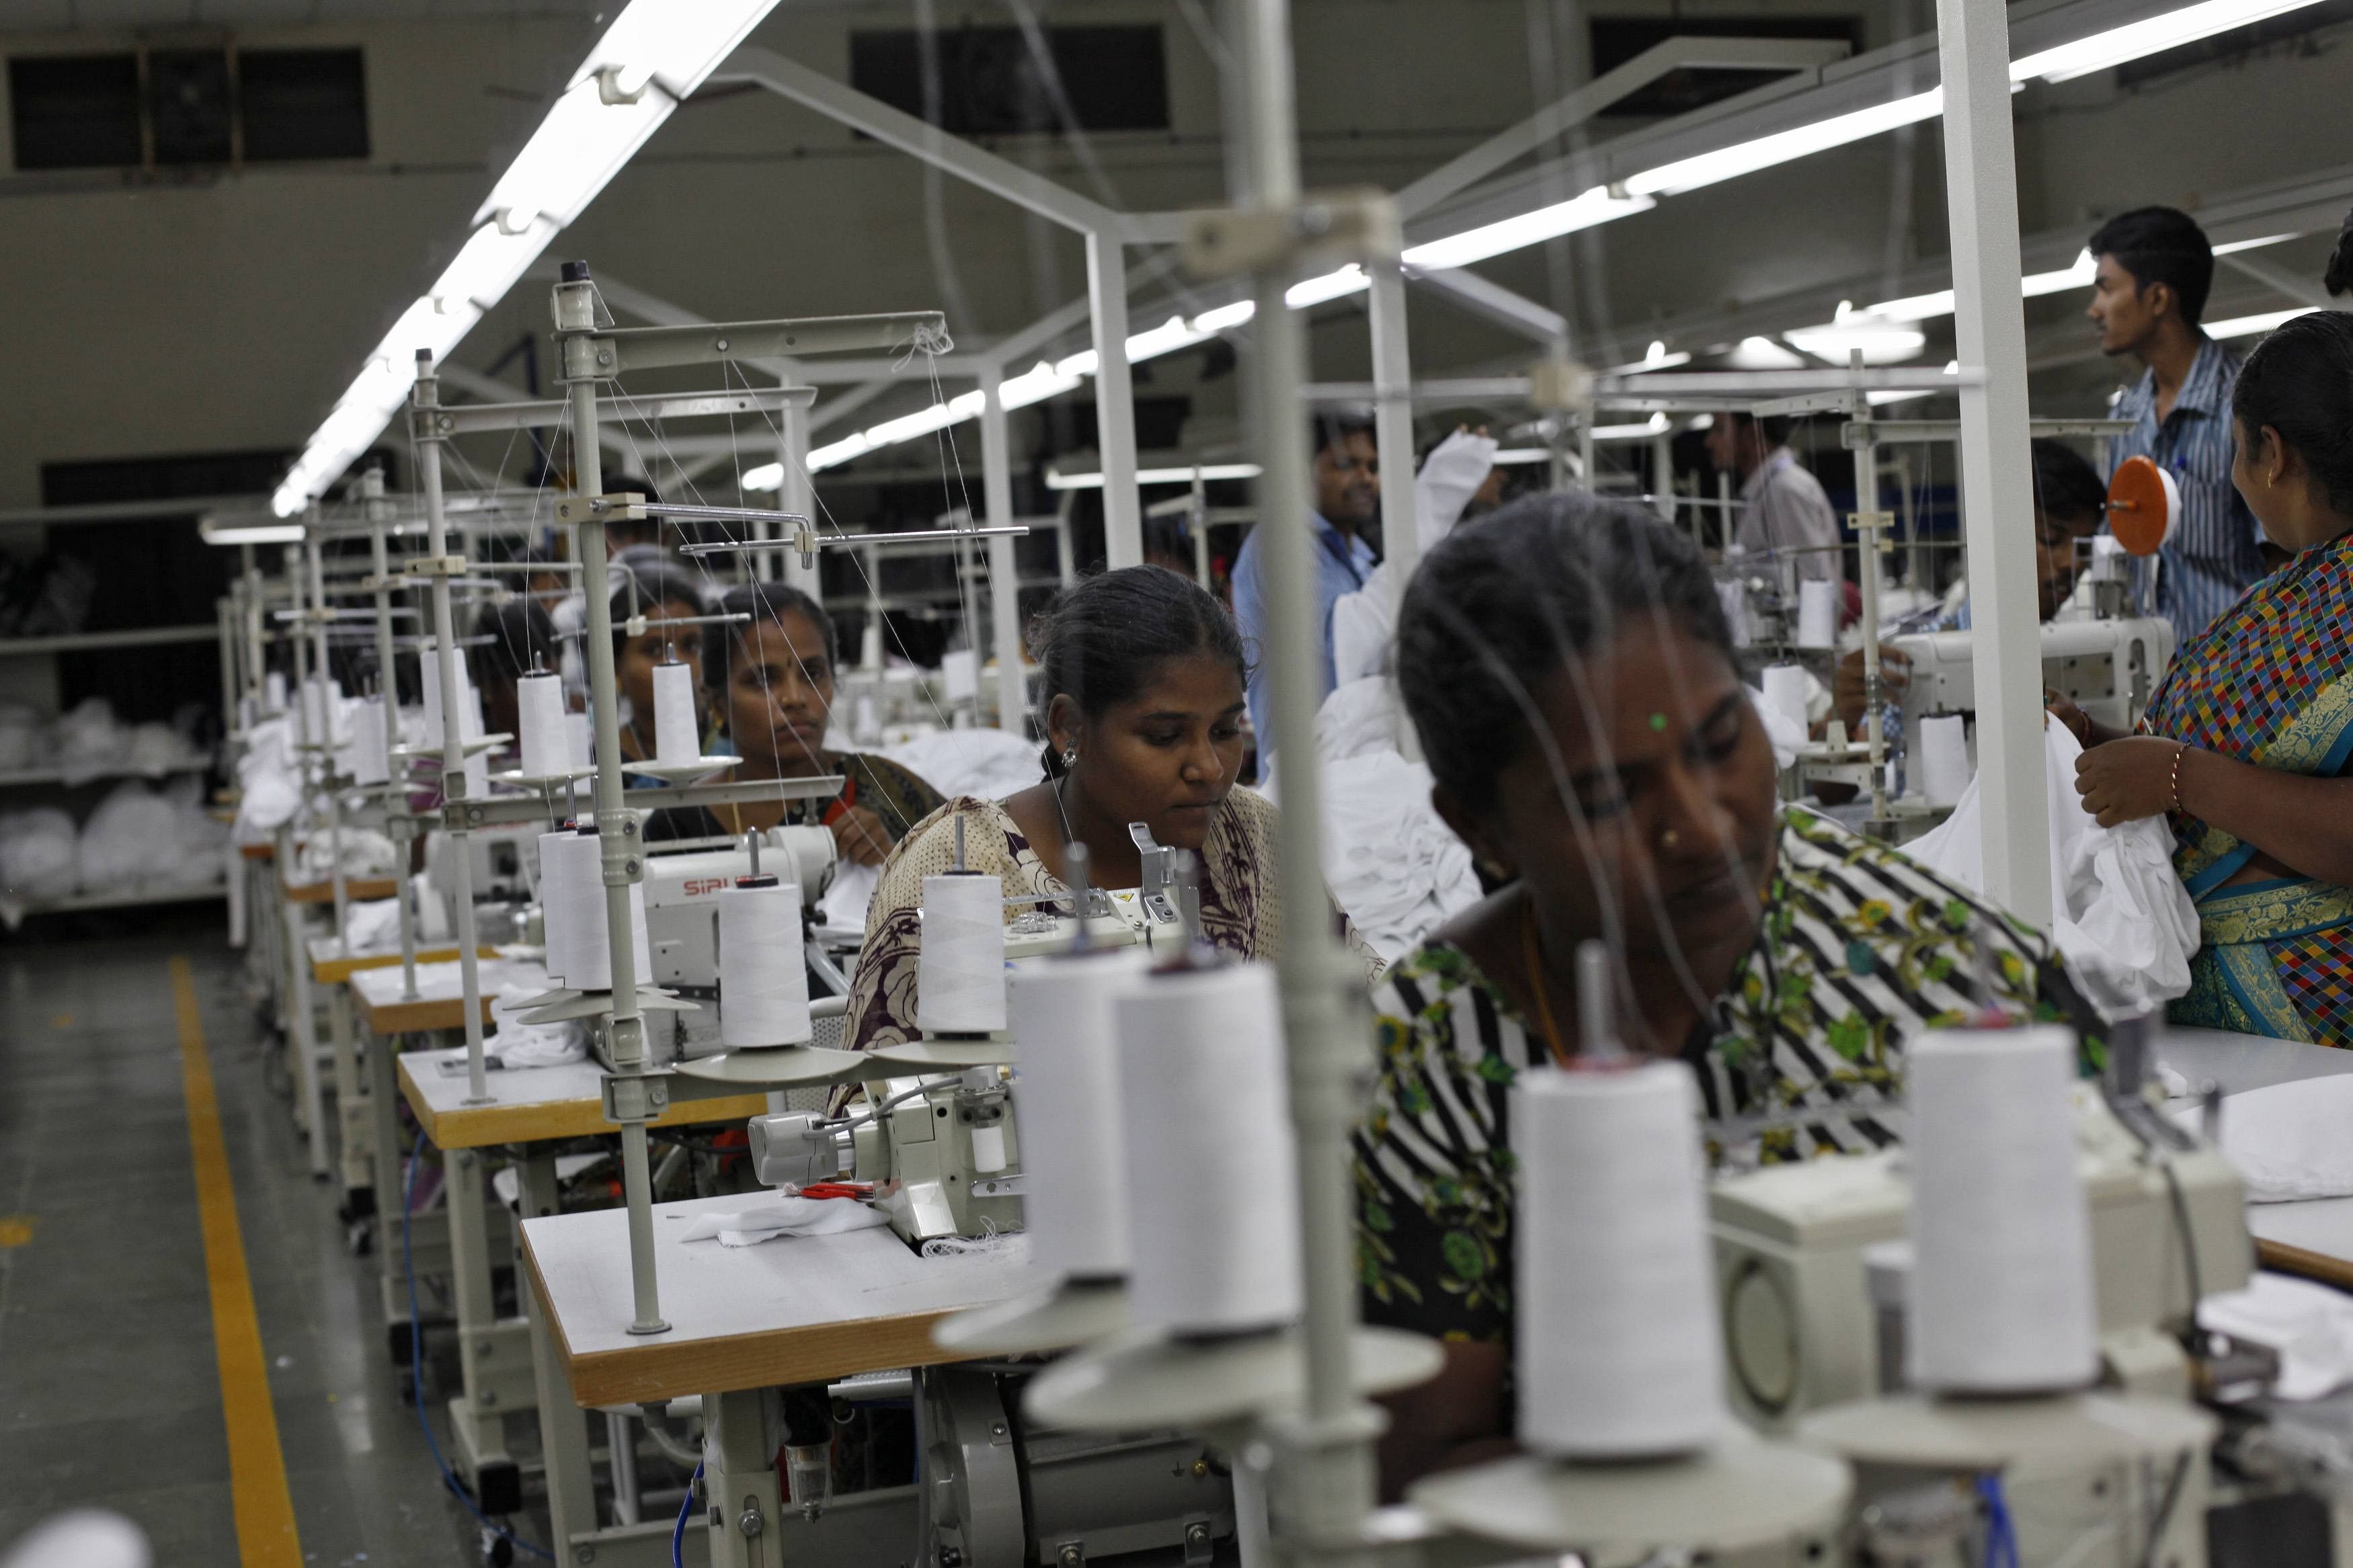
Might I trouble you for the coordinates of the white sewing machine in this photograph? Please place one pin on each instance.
(2107, 668)
(1803, 1328)
(682, 921)
(1150, 913)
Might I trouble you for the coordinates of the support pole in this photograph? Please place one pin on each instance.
(327, 743)
(1004, 571)
(629, 1085)
(1114, 401)
(1393, 432)
(398, 820)
(1869, 528)
(1662, 476)
(1331, 1467)
(1997, 486)
(453, 733)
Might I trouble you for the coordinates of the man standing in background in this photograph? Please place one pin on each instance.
(1782, 506)
(2153, 269)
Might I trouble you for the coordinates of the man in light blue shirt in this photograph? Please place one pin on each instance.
(1348, 479)
(2154, 268)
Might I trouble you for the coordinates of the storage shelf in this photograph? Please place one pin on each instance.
(14, 911)
(82, 642)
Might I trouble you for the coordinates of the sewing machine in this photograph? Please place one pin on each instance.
(1161, 908)
(682, 925)
(941, 1151)
(505, 862)
(1813, 1303)
(2107, 668)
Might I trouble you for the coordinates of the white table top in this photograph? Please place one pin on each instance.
(2237, 1063)
(445, 983)
(796, 1309)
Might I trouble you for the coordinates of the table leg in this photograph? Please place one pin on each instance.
(563, 1440)
(745, 1517)
(477, 1419)
(302, 1038)
(352, 1111)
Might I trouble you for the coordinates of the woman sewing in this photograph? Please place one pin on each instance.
(2245, 744)
(774, 686)
(1144, 672)
(1568, 669)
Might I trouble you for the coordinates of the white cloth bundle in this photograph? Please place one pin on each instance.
(2120, 914)
(989, 763)
(365, 853)
(844, 905)
(271, 790)
(2311, 1327)
(40, 855)
(1360, 717)
(1394, 866)
(88, 742)
(785, 1216)
(2286, 1141)
(522, 1044)
(1364, 624)
(140, 839)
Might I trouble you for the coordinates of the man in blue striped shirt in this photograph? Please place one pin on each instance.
(2153, 270)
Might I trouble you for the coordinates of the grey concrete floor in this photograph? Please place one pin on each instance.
(109, 1390)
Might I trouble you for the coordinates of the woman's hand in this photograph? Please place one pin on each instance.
(2063, 709)
(860, 837)
(2128, 779)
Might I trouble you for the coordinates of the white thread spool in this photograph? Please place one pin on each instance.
(1075, 1204)
(960, 970)
(988, 1149)
(1818, 614)
(471, 728)
(1943, 759)
(1619, 1351)
(1785, 689)
(574, 873)
(560, 892)
(1205, 1118)
(580, 738)
(539, 712)
(677, 742)
(371, 761)
(2002, 1296)
(1734, 598)
(763, 971)
(273, 691)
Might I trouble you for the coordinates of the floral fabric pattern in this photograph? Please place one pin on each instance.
(1860, 950)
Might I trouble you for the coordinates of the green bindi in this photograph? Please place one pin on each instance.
(1658, 721)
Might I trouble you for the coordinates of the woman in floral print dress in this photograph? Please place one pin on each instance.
(1572, 680)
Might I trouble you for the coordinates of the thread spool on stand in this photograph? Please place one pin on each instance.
(764, 1018)
(1619, 1349)
(2001, 1333)
(960, 973)
(678, 737)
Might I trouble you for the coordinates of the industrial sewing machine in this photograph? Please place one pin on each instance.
(682, 925)
(2107, 668)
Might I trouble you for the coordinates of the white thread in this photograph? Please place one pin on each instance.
(322, 700)
(1067, 1095)
(1206, 1124)
(539, 712)
(273, 691)
(1734, 599)
(1943, 759)
(1785, 689)
(2001, 1293)
(763, 974)
(471, 728)
(960, 968)
(677, 742)
(370, 763)
(1618, 1351)
(988, 1149)
(573, 875)
(1818, 614)
(580, 740)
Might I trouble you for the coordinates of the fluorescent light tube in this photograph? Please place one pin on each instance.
(1061, 481)
(2135, 39)
(581, 145)
(250, 533)
(491, 261)
(673, 45)
(1595, 205)
(2247, 326)
(1349, 279)
(1748, 157)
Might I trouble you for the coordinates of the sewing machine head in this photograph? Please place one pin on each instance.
(682, 919)
(2107, 668)
(1151, 914)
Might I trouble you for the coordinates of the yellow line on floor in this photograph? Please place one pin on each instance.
(257, 1467)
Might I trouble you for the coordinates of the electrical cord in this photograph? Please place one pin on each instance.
(2189, 1238)
(2001, 1534)
(416, 1366)
(685, 1508)
(2165, 1510)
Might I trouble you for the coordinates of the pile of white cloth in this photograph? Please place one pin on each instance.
(270, 786)
(365, 853)
(2119, 913)
(989, 763)
(1364, 623)
(373, 925)
(1392, 863)
(522, 1044)
(91, 742)
(137, 841)
(39, 854)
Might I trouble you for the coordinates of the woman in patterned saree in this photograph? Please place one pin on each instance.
(2246, 743)
(1570, 673)
(1144, 673)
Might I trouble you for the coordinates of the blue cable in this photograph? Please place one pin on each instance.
(417, 1364)
(685, 1508)
(2001, 1535)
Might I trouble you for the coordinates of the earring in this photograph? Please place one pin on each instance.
(1069, 756)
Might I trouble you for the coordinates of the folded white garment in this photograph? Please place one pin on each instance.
(2119, 913)
(1359, 717)
(2311, 1327)
(2287, 1142)
(785, 1216)
(1395, 867)
(522, 1044)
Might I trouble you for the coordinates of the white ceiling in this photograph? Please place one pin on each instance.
(126, 15)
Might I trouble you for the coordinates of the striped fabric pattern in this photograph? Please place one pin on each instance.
(1860, 950)
(2212, 556)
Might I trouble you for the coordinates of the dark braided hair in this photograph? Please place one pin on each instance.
(1099, 643)
(1508, 602)
(2299, 382)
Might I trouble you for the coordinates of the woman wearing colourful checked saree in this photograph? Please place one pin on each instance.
(2247, 740)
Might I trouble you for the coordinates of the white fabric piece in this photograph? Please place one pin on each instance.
(141, 839)
(39, 856)
(88, 742)
(373, 924)
(989, 763)
(785, 1216)
(2120, 915)
(1364, 624)
(2288, 1141)
(271, 791)
(845, 902)
(1788, 736)
(2310, 1325)
(507, 1181)
(1395, 867)
(365, 853)
(1360, 717)
(522, 1044)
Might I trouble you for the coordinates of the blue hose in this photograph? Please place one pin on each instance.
(685, 1508)
(417, 1364)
